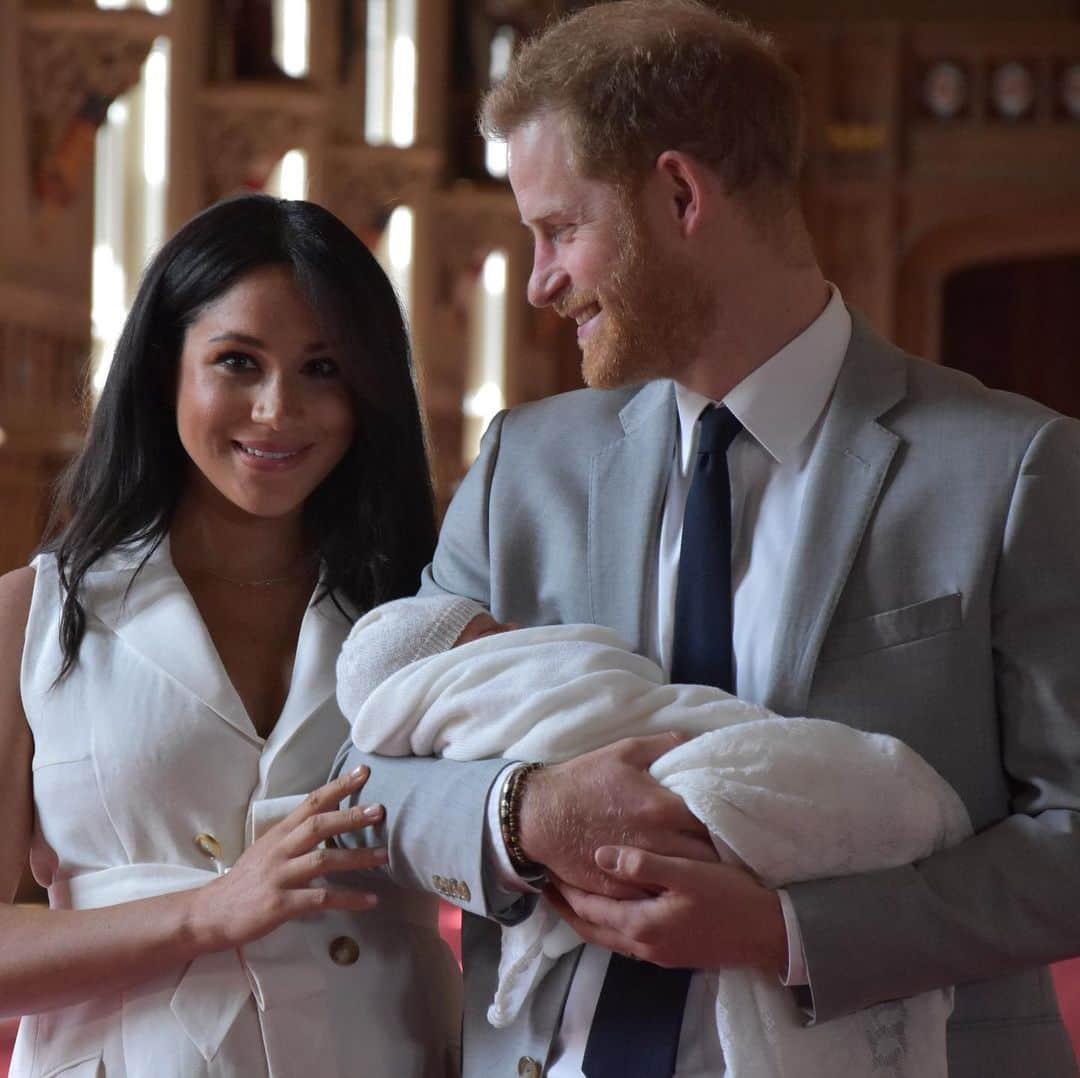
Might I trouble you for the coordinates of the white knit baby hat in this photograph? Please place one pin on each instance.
(393, 635)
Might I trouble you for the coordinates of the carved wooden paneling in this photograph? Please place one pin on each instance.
(44, 351)
(41, 373)
(44, 348)
(25, 493)
(857, 248)
(248, 127)
(364, 183)
(74, 64)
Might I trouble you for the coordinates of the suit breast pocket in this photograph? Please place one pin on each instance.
(890, 628)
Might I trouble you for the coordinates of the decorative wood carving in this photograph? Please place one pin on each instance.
(42, 372)
(365, 183)
(25, 484)
(468, 224)
(918, 129)
(856, 138)
(75, 62)
(248, 127)
(44, 346)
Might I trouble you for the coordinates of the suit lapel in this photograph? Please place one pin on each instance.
(847, 473)
(159, 621)
(627, 481)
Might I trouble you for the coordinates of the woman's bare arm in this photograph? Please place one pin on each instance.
(51, 958)
(16, 744)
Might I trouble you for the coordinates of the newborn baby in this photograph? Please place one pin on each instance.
(789, 799)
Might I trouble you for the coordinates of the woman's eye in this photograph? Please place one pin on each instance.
(323, 367)
(236, 361)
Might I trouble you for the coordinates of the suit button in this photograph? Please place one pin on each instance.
(528, 1067)
(344, 950)
(209, 846)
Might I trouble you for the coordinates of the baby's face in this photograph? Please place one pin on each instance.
(482, 625)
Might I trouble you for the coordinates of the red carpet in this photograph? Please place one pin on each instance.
(7, 1039)
(450, 927)
(1067, 983)
(1066, 978)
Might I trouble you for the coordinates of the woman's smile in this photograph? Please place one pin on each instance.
(270, 457)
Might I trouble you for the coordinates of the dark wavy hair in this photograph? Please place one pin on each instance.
(371, 521)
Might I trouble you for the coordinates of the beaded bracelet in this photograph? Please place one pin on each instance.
(509, 822)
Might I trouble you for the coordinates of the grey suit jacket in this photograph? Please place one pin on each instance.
(934, 594)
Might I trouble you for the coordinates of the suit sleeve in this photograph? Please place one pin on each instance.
(1009, 897)
(435, 809)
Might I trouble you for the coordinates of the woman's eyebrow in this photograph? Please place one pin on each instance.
(255, 342)
(240, 338)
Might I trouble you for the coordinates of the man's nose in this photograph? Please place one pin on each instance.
(546, 281)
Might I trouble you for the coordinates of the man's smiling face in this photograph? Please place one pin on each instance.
(590, 264)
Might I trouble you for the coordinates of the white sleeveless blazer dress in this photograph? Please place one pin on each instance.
(141, 749)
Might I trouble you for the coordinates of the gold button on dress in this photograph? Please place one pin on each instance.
(344, 950)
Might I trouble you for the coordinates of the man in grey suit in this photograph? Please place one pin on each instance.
(903, 559)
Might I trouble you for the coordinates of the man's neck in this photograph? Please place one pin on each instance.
(759, 318)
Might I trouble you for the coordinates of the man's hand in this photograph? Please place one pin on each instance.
(606, 797)
(696, 915)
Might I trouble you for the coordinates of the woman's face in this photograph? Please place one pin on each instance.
(262, 407)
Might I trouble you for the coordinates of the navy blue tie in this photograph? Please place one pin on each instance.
(702, 651)
(635, 1031)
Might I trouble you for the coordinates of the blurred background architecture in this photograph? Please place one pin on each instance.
(942, 181)
(942, 185)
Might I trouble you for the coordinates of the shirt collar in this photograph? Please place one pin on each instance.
(780, 402)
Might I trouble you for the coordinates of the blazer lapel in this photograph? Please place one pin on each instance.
(847, 473)
(627, 482)
(158, 619)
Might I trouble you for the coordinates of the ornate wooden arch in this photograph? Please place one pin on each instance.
(1037, 233)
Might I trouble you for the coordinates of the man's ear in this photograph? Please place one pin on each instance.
(684, 183)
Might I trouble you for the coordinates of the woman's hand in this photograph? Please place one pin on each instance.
(277, 878)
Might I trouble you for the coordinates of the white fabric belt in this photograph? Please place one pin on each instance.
(277, 970)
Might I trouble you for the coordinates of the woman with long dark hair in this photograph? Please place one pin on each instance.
(254, 478)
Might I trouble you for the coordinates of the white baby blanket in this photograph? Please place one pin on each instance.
(791, 799)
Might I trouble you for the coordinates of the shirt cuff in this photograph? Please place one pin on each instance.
(500, 872)
(796, 968)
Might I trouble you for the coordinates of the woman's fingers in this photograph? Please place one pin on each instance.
(326, 798)
(323, 861)
(319, 899)
(279, 876)
(312, 830)
(318, 818)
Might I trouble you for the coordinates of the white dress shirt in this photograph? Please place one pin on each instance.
(781, 406)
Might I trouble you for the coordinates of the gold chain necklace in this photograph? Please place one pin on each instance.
(268, 582)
